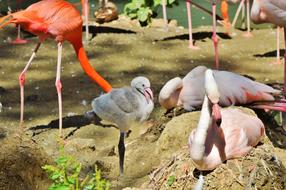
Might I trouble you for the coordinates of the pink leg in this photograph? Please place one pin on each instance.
(86, 12)
(19, 40)
(165, 15)
(248, 34)
(191, 45)
(237, 13)
(22, 83)
(285, 60)
(215, 39)
(277, 46)
(58, 85)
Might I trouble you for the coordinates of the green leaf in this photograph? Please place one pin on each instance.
(62, 160)
(144, 13)
(157, 2)
(171, 2)
(55, 176)
(59, 187)
(171, 180)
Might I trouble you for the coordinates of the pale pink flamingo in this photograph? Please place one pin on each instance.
(85, 13)
(271, 11)
(191, 44)
(214, 37)
(234, 90)
(211, 143)
(241, 8)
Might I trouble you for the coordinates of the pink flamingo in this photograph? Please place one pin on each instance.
(211, 144)
(19, 39)
(61, 22)
(85, 13)
(214, 37)
(271, 11)
(241, 7)
(234, 90)
(213, 12)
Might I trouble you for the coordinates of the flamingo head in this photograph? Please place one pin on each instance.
(213, 95)
(143, 86)
(169, 94)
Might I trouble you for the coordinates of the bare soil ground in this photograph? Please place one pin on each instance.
(157, 149)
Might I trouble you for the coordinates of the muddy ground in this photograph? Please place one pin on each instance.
(157, 149)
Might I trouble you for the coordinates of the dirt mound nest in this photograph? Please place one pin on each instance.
(20, 165)
(260, 169)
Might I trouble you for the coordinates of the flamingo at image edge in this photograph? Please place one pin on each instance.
(241, 7)
(85, 13)
(234, 90)
(61, 22)
(214, 36)
(211, 144)
(18, 39)
(214, 16)
(271, 11)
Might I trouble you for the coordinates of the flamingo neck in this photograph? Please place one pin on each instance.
(169, 94)
(198, 143)
(89, 70)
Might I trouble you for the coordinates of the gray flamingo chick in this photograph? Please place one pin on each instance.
(124, 106)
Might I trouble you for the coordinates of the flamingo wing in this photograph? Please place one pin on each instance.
(273, 11)
(192, 94)
(237, 89)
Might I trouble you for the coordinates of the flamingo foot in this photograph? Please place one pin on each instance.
(277, 62)
(247, 35)
(226, 25)
(193, 47)
(19, 41)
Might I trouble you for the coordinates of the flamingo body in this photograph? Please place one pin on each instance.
(221, 134)
(273, 11)
(235, 137)
(234, 89)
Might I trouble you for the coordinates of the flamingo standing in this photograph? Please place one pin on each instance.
(85, 13)
(241, 8)
(124, 106)
(214, 36)
(211, 144)
(19, 39)
(234, 90)
(61, 22)
(271, 11)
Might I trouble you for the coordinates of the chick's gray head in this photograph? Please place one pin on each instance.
(142, 85)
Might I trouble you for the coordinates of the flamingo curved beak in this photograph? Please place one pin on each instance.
(148, 94)
(216, 113)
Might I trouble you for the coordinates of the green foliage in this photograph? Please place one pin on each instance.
(171, 180)
(144, 10)
(277, 115)
(65, 175)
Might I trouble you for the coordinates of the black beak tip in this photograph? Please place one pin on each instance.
(218, 122)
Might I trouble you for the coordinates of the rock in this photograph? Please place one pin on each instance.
(158, 23)
(173, 23)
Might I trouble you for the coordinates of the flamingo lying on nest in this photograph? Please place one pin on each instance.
(234, 90)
